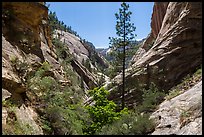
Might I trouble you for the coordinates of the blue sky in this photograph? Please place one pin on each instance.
(95, 21)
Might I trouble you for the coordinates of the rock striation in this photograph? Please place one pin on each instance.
(177, 49)
(176, 52)
(159, 11)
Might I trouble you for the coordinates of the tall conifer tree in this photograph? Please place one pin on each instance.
(121, 46)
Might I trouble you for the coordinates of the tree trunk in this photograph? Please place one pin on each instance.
(123, 89)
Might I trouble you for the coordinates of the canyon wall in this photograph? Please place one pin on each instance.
(27, 47)
(176, 51)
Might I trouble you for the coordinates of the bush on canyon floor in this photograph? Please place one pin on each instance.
(151, 99)
(132, 123)
(102, 112)
(137, 121)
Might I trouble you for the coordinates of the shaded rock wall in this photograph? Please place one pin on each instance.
(23, 30)
(177, 50)
(159, 11)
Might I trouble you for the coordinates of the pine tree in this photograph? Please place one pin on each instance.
(121, 46)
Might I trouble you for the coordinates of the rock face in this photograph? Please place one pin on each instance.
(177, 48)
(176, 52)
(84, 53)
(181, 115)
(21, 51)
(159, 11)
(88, 77)
(27, 116)
(26, 45)
(81, 50)
(74, 45)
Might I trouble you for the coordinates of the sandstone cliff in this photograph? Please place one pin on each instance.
(175, 53)
(159, 10)
(84, 54)
(21, 41)
(26, 47)
(172, 50)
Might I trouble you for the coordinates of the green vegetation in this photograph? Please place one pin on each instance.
(62, 50)
(54, 24)
(102, 112)
(185, 113)
(132, 123)
(13, 127)
(151, 99)
(62, 112)
(122, 44)
(58, 105)
(87, 65)
(136, 121)
(185, 117)
(61, 107)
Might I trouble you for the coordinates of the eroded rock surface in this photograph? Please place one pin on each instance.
(27, 117)
(26, 46)
(176, 52)
(159, 11)
(181, 115)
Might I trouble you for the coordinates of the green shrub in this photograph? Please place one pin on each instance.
(62, 50)
(151, 99)
(66, 121)
(13, 127)
(46, 125)
(173, 94)
(129, 124)
(62, 112)
(102, 112)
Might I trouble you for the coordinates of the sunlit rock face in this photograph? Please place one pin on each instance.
(159, 11)
(181, 115)
(22, 25)
(26, 45)
(176, 52)
(83, 52)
